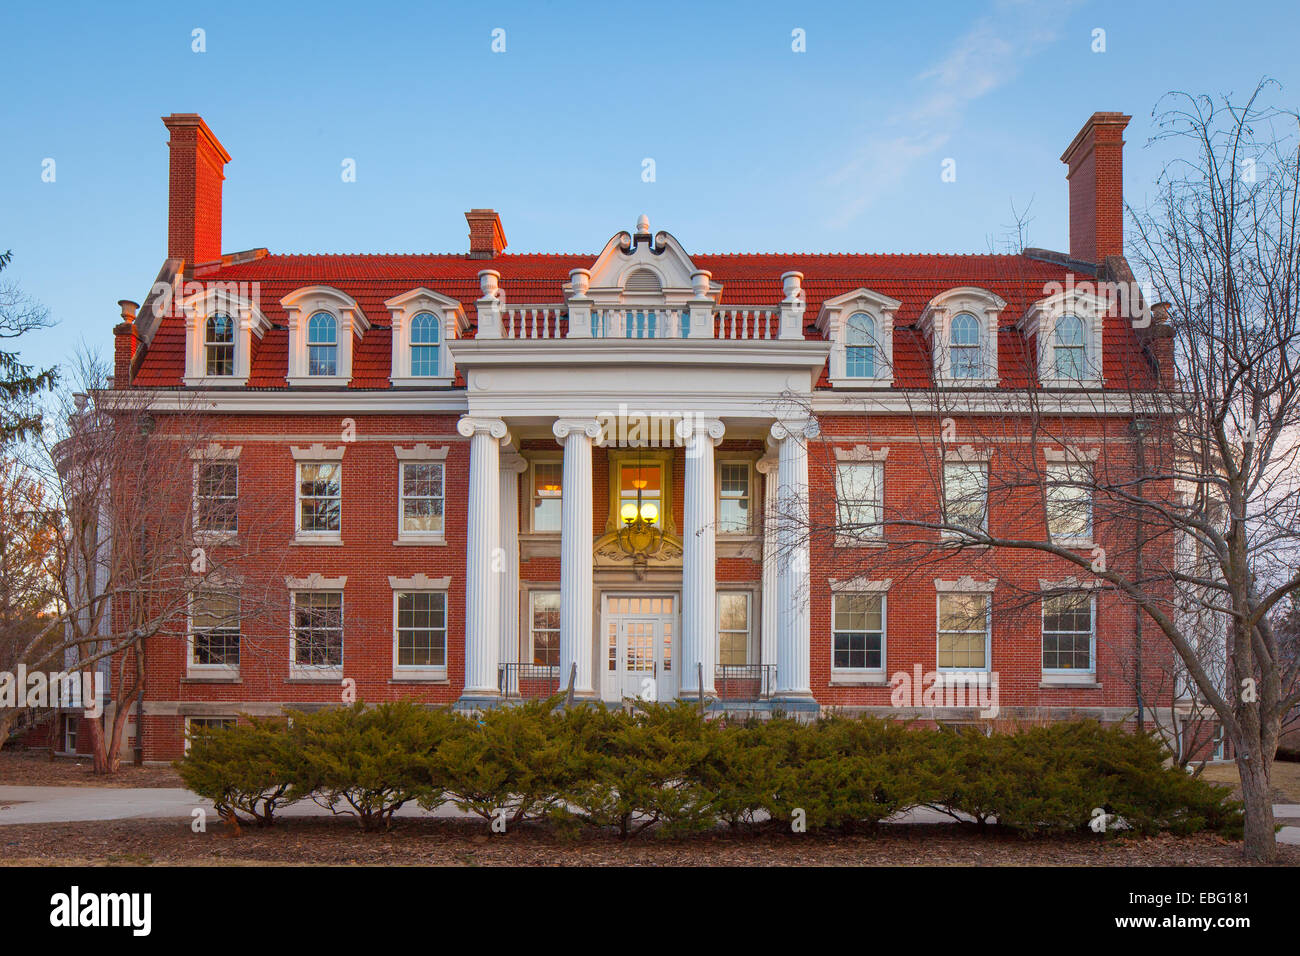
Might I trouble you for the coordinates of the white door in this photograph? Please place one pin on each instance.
(638, 659)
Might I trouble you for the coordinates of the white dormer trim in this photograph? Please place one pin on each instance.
(936, 321)
(247, 319)
(660, 253)
(451, 322)
(301, 305)
(1039, 323)
(834, 317)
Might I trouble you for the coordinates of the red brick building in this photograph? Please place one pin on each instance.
(642, 472)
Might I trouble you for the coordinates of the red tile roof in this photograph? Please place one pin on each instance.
(747, 279)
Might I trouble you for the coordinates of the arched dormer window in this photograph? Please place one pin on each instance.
(324, 326)
(221, 329)
(961, 326)
(423, 323)
(219, 345)
(1066, 329)
(425, 345)
(860, 327)
(860, 346)
(964, 347)
(322, 345)
(1070, 349)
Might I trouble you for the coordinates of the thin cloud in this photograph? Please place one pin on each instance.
(986, 57)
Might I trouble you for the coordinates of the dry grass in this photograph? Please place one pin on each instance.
(467, 843)
(35, 768)
(1286, 779)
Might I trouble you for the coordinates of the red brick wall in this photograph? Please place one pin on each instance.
(196, 171)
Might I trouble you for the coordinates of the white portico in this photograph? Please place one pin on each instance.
(641, 368)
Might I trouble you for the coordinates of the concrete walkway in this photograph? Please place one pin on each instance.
(79, 804)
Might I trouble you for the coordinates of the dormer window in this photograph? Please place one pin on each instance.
(860, 327)
(322, 345)
(219, 345)
(1070, 349)
(424, 345)
(860, 346)
(324, 324)
(964, 347)
(220, 328)
(642, 280)
(424, 322)
(961, 326)
(1066, 329)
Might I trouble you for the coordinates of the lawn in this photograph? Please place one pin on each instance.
(35, 768)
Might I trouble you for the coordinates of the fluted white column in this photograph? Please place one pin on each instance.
(511, 467)
(483, 537)
(793, 645)
(576, 541)
(699, 634)
(767, 467)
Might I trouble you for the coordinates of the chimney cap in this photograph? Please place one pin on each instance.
(175, 121)
(1115, 121)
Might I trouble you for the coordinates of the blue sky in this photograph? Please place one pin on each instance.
(756, 147)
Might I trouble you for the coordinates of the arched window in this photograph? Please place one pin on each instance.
(322, 345)
(860, 346)
(424, 345)
(219, 343)
(964, 346)
(1070, 350)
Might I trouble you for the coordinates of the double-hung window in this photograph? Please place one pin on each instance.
(421, 631)
(1068, 634)
(544, 628)
(857, 632)
(733, 497)
(1069, 502)
(422, 494)
(965, 496)
(214, 629)
(317, 631)
(216, 497)
(963, 631)
(320, 499)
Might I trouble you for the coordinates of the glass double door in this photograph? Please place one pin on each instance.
(639, 636)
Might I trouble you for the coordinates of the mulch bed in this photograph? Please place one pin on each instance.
(467, 843)
(35, 768)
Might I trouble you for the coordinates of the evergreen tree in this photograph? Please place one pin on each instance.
(19, 383)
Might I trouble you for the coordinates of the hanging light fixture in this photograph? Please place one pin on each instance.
(638, 535)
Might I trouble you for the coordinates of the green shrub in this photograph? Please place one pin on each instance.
(631, 771)
(509, 758)
(845, 772)
(241, 769)
(374, 760)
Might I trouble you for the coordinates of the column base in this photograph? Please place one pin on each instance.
(468, 703)
(795, 704)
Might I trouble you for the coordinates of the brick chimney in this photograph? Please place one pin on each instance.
(194, 190)
(486, 237)
(1096, 176)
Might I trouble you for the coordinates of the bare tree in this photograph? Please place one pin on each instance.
(149, 548)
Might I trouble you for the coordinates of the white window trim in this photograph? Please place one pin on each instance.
(213, 452)
(194, 669)
(1076, 458)
(311, 584)
(546, 458)
(531, 650)
(936, 324)
(751, 633)
(950, 588)
(190, 718)
(420, 454)
(419, 583)
(951, 459)
(1057, 675)
(832, 320)
(316, 454)
(248, 321)
(748, 463)
(1039, 324)
(853, 586)
(864, 538)
(301, 305)
(451, 322)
